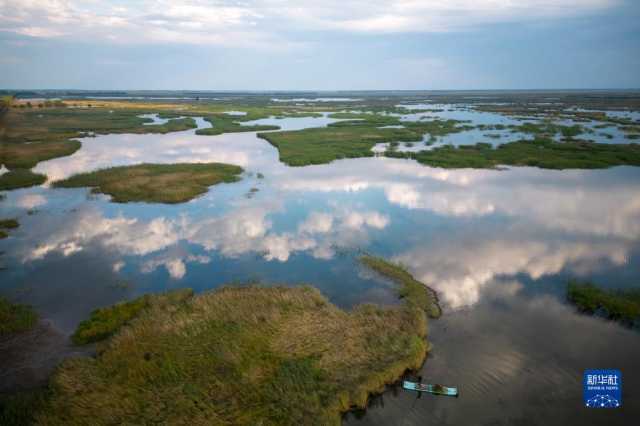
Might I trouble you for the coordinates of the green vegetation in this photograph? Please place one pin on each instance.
(617, 305)
(15, 318)
(27, 155)
(238, 355)
(20, 178)
(31, 136)
(6, 224)
(229, 124)
(19, 409)
(9, 224)
(350, 139)
(154, 183)
(412, 290)
(543, 153)
(106, 321)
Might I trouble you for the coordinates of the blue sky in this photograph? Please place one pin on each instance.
(319, 45)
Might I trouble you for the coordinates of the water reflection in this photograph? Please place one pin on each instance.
(497, 245)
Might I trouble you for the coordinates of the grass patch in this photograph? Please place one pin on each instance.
(27, 155)
(617, 305)
(413, 291)
(20, 178)
(350, 139)
(33, 135)
(6, 224)
(242, 356)
(228, 124)
(105, 322)
(15, 318)
(9, 223)
(19, 409)
(542, 153)
(154, 183)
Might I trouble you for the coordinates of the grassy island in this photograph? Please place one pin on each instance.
(351, 139)
(154, 183)
(236, 355)
(15, 318)
(226, 124)
(542, 153)
(20, 178)
(617, 305)
(6, 225)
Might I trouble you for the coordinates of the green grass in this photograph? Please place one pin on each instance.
(241, 356)
(27, 155)
(105, 322)
(9, 223)
(30, 136)
(410, 289)
(350, 139)
(229, 124)
(6, 224)
(20, 178)
(15, 318)
(19, 409)
(617, 305)
(542, 153)
(154, 183)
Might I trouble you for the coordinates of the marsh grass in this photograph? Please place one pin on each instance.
(541, 152)
(106, 321)
(15, 318)
(239, 355)
(350, 139)
(19, 409)
(228, 124)
(9, 223)
(25, 156)
(20, 178)
(617, 305)
(154, 183)
(411, 290)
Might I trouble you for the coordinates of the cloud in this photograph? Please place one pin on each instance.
(463, 266)
(267, 24)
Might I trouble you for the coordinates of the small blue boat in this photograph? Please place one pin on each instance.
(434, 389)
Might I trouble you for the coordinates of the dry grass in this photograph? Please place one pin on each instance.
(241, 356)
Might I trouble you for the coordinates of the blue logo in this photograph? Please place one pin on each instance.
(602, 388)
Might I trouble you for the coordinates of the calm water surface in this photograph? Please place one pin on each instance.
(498, 246)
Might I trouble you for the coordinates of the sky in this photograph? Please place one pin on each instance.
(319, 45)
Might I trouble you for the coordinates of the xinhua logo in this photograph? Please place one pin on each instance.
(602, 388)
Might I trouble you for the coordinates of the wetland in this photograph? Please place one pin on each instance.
(335, 246)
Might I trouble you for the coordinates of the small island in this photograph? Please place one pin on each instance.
(242, 355)
(154, 183)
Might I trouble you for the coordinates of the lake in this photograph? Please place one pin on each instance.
(497, 245)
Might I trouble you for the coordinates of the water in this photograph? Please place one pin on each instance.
(498, 246)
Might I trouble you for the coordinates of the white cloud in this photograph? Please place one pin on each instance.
(262, 23)
(461, 268)
(30, 201)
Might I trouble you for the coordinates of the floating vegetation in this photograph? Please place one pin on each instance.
(154, 183)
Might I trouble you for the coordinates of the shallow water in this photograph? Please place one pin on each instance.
(498, 246)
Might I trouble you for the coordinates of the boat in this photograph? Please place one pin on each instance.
(434, 389)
